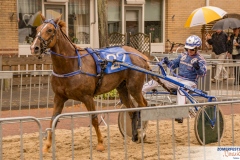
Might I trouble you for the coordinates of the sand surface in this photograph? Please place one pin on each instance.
(116, 151)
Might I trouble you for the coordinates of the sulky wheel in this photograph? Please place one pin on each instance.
(211, 132)
(128, 123)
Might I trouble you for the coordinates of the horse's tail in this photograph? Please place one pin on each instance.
(155, 78)
(160, 82)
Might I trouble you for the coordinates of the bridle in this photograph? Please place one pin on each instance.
(44, 43)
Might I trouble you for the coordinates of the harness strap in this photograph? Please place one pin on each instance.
(79, 59)
(51, 21)
(45, 42)
(79, 65)
(100, 78)
(103, 64)
(60, 55)
(72, 74)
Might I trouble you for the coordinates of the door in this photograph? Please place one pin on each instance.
(54, 11)
(133, 21)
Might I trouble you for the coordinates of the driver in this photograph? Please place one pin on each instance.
(191, 65)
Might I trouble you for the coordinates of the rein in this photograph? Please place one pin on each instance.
(78, 56)
(160, 64)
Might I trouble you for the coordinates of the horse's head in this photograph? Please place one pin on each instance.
(46, 35)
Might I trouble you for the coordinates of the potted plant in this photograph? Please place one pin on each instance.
(75, 40)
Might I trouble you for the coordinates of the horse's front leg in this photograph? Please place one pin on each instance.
(57, 109)
(95, 123)
(91, 107)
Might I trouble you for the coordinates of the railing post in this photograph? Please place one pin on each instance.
(0, 63)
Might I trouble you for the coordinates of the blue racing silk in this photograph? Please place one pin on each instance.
(184, 63)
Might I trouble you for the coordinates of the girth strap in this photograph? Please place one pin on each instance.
(101, 64)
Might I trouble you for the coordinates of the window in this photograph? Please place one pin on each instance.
(79, 21)
(114, 16)
(28, 20)
(153, 19)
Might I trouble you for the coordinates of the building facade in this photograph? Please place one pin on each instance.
(164, 19)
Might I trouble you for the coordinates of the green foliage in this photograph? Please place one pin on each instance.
(111, 95)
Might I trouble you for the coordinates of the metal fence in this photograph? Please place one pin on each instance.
(26, 90)
(19, 140)
(28, 93)
(225, 88)
(158, 134)
(166, 139)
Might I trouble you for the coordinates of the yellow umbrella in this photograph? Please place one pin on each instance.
(204, 15)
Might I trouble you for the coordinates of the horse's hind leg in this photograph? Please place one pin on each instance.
(135, 116)
(57, 109)
(89, 103)
(125, 96)
(136, 92)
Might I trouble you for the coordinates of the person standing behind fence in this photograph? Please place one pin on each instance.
(235, 51)
(220, 43)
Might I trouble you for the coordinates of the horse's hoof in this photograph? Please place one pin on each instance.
(139, 138)
(179, 120)
(45, 149)
(100, 147)
(135, 138)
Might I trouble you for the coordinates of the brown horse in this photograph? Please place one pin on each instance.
(83, 86)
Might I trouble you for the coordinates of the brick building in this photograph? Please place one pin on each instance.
(164, 19)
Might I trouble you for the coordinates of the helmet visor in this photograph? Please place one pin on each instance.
(189, 47)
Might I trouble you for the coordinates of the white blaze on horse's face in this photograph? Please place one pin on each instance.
(44, 38)
(35, 46)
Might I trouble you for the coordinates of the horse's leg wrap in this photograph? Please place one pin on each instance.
(54, 116)
(136, 124)
(139, 120)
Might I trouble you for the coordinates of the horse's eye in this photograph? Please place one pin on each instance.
(49, 31)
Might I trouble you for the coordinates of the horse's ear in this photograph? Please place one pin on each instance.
(57, 20)
(42, 17)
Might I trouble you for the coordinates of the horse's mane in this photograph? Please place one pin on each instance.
(63, 26)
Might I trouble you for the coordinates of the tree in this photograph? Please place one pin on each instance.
(102, 22)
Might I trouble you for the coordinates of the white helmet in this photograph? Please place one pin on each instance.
(193, 42)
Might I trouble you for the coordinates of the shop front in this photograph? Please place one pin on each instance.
(124, 16)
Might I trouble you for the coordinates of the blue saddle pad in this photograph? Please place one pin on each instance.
(111, 53)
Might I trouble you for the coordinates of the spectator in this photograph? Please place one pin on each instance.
(191, 66)
(219, 41)
(235, 51)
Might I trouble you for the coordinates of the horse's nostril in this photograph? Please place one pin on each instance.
(36, 48)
